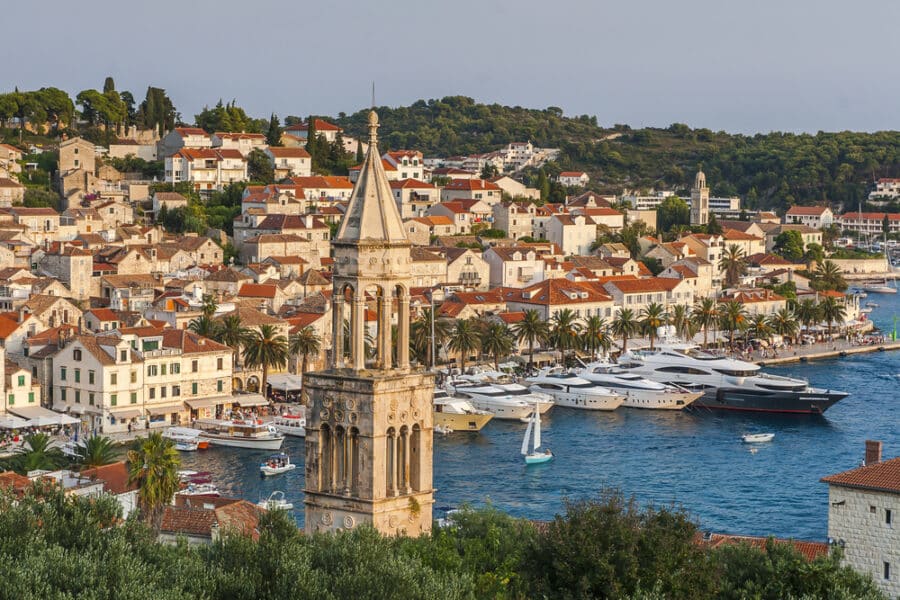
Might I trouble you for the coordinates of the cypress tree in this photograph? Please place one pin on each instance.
(273, 135)
(359, 152)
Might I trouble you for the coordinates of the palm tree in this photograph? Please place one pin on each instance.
(595, 336)
(303, 343)
(652, 317)
(232, 333)
(625, 325)
(497, 340)
(732, 317)
(204, 325)
(465, 339)
(681, 321)
(733, 263)
(532, 330)
(829, 277)
(784, 323)
(153, 466)
(96, 452)
(210, 306)
(832, 311)
(265, 348)
(565, 331)
(808, 312)
(38, 453)
(420, 336)
(760, 326)
(704, 315)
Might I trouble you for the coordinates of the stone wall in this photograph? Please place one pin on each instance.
(858, 517)
(862, 265)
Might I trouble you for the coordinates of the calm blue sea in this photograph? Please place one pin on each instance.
(693, 460)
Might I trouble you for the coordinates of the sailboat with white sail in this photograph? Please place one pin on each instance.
(533, 438)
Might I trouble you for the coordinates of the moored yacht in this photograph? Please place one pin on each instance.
(572, 391)
(639, 392)
(238, 433)
(495, 400)
(727, 383)
(457, 414)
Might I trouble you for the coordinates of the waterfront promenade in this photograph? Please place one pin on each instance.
(822, 350)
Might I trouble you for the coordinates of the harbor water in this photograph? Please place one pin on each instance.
(689, 459)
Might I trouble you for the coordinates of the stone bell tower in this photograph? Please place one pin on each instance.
(700, 200)
(369, 419)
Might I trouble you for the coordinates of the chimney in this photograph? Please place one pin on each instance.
(873, 452)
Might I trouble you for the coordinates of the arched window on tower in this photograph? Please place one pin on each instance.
(340, 460)
(390, 458)
(403, 461)
(415, 458)
(353, 463)
(326, 459)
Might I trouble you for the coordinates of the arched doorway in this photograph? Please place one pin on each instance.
(253, 384)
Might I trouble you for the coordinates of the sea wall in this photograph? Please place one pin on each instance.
(877, 266)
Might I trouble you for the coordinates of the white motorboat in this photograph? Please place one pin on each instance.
(186, 439)
(533, 437)
(574, 392)
(199, 489)
(239, 433)
(275, 501)
(872, 304)
(543, 401)
(276, 465)
(494, 400)
(727, 383)
(457, 414)
(291, 424)
(443, 429)
(72, 448)
(757, 438)
(639, 392)
(879, 288)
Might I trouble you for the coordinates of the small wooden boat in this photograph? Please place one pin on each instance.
(757, 438)
(276, 465)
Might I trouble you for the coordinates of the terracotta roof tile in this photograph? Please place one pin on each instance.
(881, 477)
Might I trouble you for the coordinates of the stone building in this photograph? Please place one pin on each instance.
(863, 507)
(369, 425)
(700, 200)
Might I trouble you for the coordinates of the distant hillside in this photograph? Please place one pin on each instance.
(771, 171)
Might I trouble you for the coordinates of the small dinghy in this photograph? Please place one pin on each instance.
(276, 465)
(757, 438)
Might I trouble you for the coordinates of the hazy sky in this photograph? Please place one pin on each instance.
(751, 66)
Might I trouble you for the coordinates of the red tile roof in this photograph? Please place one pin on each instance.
(319, 123)
(471, 185)
(572, 174)
(411, 183)
(639, 286)
(809, 550)
(288, 152)
(512, 317)
(257, 290)
(880, 477)
(113, 476)
(806, 211)
(322, 182)
(104, 314)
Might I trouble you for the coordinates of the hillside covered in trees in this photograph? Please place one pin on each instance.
(770, 171)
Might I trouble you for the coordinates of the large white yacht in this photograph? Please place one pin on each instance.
(502, 403)
(238, 433)
(572, 391)
(727, 383)
(458, 414)
(639, 392)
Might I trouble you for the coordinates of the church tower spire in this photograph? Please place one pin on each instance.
(369, 416)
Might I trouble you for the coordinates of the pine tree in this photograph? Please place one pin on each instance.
(312, 142)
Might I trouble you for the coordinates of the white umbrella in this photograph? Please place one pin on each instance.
(12, 422)
(42, 421)
(67, 420)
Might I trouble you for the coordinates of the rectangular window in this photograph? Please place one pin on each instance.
(76, 354)
(888, 516)
(90, 377)
(162, 391)
(113, 399)
(77, 375)
(21, 381)
(194, 388)
(134, 377)
(219, 363)
(163, 367)
(62, 394)
(176, 368)
(887, 570)
(123, 355)
(134, 397)
(113, 378)
(193, 366)
(91, 398)
(62, 373)
(219, 385)
(176, 390)
(30, 397)
(77, 396)
(11, 399)
(152, 393)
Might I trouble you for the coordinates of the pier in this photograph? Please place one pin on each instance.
(836, 349)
